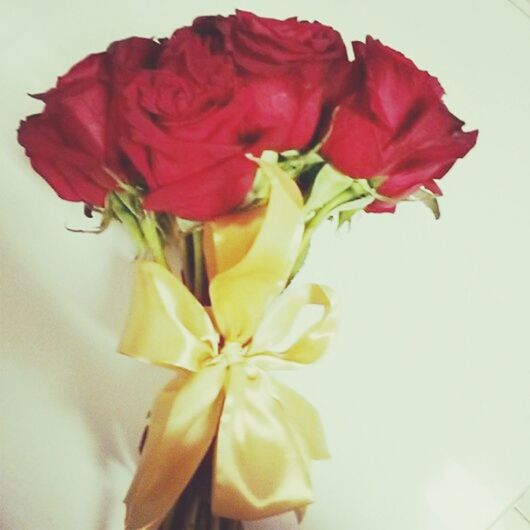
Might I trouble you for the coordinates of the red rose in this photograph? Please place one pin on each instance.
(72, 143)
(267, 46)
(312, 54)
(191, 120)
(394, 125)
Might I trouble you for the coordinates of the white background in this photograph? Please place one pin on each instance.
(425, 395)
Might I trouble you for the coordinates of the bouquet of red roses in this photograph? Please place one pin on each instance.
(221, 149)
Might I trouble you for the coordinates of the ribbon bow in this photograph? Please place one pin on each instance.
(264, 433)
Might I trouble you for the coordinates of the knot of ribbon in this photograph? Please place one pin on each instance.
(233, 353)
(264, 434)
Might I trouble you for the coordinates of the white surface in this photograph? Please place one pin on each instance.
(516, 517)
(425, 395)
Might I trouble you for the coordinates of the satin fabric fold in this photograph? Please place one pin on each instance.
(264, 433)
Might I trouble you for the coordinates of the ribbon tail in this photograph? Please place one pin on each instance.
(183, 423)
(260, 468)
(304, 422)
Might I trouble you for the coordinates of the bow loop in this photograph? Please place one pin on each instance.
(285, 333)
(167, 325)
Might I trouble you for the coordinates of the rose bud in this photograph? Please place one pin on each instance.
(72, 144)
(393, 127)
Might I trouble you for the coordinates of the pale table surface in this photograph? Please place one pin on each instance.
(425, 394)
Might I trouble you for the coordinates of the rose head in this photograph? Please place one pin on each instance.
(267, 46)
(393, 126)
(72, 144)
(311, 54)
(190, 121)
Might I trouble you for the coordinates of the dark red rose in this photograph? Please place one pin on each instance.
(268, 46)
(72, 144)
(312, 54)
(190, 122)
(394, 126)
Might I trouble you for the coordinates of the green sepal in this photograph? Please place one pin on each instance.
(106, 218)
(142, 225)
(121, 210)
(328, 183)
(357, 204)
(429, 199)
(346, 217)
(295, 163)
(347, 210)
(132, 202)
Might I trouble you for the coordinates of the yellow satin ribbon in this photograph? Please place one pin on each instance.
(264, 433)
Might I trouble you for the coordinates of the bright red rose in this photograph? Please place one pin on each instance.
(190, 122)
(72, 144)
(395, 126)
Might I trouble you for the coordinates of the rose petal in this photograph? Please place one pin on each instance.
(208, 194)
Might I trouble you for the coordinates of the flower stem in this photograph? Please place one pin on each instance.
(152, 237)
(123, 213)
(193, 511)
(198, 265)
(311, 225)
